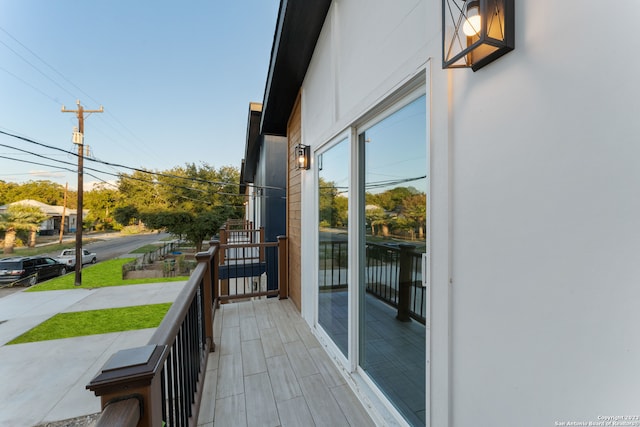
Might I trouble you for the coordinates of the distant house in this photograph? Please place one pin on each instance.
(55, 215)
(264, 177)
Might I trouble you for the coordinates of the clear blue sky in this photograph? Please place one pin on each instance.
(175, 80)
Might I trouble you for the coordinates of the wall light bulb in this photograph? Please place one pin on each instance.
(471, 26)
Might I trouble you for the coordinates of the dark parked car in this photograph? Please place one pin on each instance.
(29, 270)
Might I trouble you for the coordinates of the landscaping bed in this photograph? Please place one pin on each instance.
(165, 261)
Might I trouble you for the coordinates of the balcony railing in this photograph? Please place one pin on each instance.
(162, 383)
(393, 274)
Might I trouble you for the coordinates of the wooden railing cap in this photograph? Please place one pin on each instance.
(203, 256)
(133, 365)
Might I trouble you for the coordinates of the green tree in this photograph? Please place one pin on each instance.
(126, 215)
(374, 216)
(195, 228)
(198, 188)
(44, 191)
(391, 200)
(101, 203)
(190, 201)
(204, 225)
(333, 206)
(7, 190)
(17, 218)
(140, 190)
(178, 222)
(414, 210)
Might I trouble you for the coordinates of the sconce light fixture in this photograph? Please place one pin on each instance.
(476, 32)
(302, 156)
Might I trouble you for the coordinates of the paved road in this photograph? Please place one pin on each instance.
(107, 246)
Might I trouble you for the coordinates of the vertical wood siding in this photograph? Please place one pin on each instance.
(294, 136)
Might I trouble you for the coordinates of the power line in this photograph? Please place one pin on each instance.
(111, 115)
(138, 169)
(60, 86)
(120, 176)
(29, 84)
(54, 167)
(45, 63)
(35, 68)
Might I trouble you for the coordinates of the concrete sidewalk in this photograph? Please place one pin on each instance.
(45, 381)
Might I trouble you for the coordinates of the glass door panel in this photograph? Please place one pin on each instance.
(333, 240)
(394, 171)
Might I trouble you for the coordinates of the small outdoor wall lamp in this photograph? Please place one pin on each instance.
(302, 156)
(476, 32)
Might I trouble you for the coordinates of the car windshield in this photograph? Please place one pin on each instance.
(10, 265)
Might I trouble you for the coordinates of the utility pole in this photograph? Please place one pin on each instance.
(78, 139)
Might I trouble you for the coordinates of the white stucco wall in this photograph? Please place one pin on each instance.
(546, 222)
(359, 60)
(534, 209)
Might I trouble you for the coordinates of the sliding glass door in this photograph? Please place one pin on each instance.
(333, 239)
(392, 221)
(383, 250)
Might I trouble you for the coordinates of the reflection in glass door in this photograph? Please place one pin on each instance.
(333, 266)
(393, 219)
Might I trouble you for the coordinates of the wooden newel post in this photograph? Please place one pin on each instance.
(262, 241)
(283, 267)
(215, 262)
(404, 283)
(224, 283)
(207, 298)
(223, 240)
(133, 374)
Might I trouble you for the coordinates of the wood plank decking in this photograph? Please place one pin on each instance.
(269, 370)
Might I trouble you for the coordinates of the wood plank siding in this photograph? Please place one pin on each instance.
(294, 136)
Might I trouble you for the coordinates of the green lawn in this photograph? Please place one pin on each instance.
(102, 274)
(93, 322)
(106, 273)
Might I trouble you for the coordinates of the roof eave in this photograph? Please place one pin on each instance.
(298, 28)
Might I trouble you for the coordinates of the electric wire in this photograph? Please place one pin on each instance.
(221, 183)
(45, 63)
(371, 185)
(29, 84)
(54, 167)
(36, 68)
(60, 86)
(119, 176)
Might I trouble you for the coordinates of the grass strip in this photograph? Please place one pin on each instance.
(100, 275)
(93, 322)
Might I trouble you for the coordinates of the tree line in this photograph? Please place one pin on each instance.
(400, 211)
(190, 201)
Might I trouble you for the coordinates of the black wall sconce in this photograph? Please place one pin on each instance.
(476, 32)
(302, 156)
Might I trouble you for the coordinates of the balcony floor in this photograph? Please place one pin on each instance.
(269, 370)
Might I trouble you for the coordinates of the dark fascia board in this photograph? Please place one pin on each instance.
(252, 146)
(243, 184)
(297, 31)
